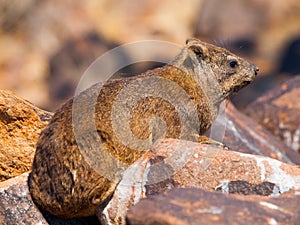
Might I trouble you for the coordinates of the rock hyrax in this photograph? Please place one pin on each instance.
(71, 176)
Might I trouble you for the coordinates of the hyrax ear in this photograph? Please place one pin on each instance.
(197, 47)
(200, 51)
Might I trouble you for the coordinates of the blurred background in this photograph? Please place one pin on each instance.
(45, 46)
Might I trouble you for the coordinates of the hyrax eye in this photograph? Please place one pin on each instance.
(233, 64)
(198, 51)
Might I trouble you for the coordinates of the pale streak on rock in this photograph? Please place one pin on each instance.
(269, 205)
(292, 140)
(212, 210)
(130, 191)
(274, 171)
(272, 221)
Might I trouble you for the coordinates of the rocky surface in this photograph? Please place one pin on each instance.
(16, 206)
(177, 164)
(20, 126)
(278, 111)
(15, 203)
(191, 206)
(171, 164)
(47, 45)
(244, 134)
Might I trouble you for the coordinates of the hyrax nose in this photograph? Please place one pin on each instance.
(256, 69)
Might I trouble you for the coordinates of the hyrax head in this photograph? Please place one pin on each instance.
(217, 68)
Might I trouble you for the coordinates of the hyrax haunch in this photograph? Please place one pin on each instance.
(80, 156)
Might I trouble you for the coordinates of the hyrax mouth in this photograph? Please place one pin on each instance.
(236, 88)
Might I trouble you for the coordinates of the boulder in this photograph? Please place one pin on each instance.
(244, 134)
(259, 32)
(191, 206)
(279, 111)
(20, 125)
(204, 171)
(179, 164)
(16, 207)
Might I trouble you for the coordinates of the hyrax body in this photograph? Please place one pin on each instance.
(91, 139)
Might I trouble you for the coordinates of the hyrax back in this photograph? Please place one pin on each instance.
(81, 155)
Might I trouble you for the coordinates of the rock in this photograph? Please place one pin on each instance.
(258, 37)
(243, 134)
(20, 126)
(191, 206)
(178, 163)
(278, 111)
(265, 188)
(111, 19)
(291, 57)
(68, 65)
(213, 24)
(16, 206)
(259, 22)
(28, 45)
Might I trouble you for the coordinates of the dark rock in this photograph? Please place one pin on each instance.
(191, 206)
(291, 57)
(245, 188)
(243, 134)
(68, 65)
(214, 24)
(278, 111)
(16, 207)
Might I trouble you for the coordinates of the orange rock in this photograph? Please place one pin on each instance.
(20, 126)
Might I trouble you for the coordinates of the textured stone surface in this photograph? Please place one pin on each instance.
(192, 206)
(279, 111)
(20, 126)
(243, 134)
(176, 164)
(16, 207)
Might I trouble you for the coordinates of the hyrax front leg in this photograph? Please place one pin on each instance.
(206, 140)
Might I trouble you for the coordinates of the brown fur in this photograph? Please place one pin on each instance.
(64, 183)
